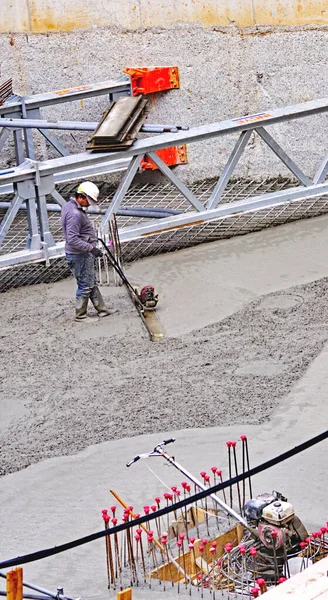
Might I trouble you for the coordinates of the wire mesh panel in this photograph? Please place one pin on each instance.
(168, 197)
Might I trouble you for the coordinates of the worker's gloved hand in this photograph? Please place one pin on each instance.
(96, 252)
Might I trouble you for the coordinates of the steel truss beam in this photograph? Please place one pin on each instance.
(39, 179)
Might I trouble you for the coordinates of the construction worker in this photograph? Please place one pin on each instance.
(81, 249)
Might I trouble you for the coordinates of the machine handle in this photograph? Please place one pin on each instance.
(169, 441)
(133, 461)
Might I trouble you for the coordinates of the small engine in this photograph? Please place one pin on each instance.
(148, 296)
(278, 527)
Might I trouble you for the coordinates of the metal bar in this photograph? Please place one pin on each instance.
(54, 142)
(41, 124)
(19, 148)
(176, 181)
(59, 199)
(9, 217)
(222, 211)
(46, 235)
(165, 140)
(121, 85)
(288, 162)
(4, 135)
(141, 212)
(322, 172)
(229, 169)
(28, 135)
(121, 190)
(34, 238)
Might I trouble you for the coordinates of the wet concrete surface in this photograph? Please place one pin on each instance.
(266, 377)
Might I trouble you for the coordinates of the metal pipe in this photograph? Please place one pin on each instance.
(150, 213)
(78, 125)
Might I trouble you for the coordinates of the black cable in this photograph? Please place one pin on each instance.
(20, 560)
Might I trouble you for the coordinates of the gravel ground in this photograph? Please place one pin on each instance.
(69, 385)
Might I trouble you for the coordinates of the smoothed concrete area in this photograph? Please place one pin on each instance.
(212, 281)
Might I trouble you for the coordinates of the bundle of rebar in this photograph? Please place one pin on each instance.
(6, 90)
(119, 126)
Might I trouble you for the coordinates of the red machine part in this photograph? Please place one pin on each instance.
(271, 536)
(176, 155)
(147, 80)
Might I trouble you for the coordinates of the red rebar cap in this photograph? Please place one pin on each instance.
(228, 547)
(182, 536)
(242, 549)
(113, 509)
(213, 469)
(137, 516)
(106, 518)
(243, 438)
(219, 472)
(255, 592)
(229, 444)
(201, 548)
(192, 540)
(174, 488)
(163, 541)
(114, 521)
(179, 543)
(261, 582)
(282, 580)
(233, 444)
(157, 500)
(184, 484)
(154, 507)
(139, 531)
(214, 544)
(253, 551)
(303, 545)
(137, 538)
(212, 550)
(207, 478)
(203, 473)
(146, 510)
(166, 496)
(204, 541)
(190, 546)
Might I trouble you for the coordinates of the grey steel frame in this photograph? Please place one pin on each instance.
(32, 181)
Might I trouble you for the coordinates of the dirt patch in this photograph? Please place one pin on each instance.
(79, 384)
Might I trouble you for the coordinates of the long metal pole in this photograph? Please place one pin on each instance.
(216, 499)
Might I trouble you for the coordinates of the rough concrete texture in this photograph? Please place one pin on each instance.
(262, 371)
(61, 499)
(108, 381)
(219, 79)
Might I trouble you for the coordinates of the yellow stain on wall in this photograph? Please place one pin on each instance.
(291, 12)
(38, 16)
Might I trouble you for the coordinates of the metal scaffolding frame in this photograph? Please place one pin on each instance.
(31, 182)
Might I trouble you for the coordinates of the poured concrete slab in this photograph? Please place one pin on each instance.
(61, 499)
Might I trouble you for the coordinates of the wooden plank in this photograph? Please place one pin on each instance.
(311, 584)
(125, 594)
(189, 560)
(14, 584)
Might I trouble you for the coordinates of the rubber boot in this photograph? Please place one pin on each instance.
(81, 306)
(99, 304)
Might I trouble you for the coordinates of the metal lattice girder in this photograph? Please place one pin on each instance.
(121, 85)
(195, 134)
(322, 172)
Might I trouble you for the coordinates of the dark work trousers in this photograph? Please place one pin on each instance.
(83, 268)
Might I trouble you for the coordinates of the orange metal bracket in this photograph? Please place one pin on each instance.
(176, 155)
(14, 584)
(146, 80)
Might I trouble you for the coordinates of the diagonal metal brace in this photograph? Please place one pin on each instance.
(125, 183)
(288, 162)
(229, 169)
(176, 181)
(9, 217)
(322, 172)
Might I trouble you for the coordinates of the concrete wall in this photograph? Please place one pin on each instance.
(220, 47)
(38, 16)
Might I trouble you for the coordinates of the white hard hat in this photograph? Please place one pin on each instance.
(89, 189)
